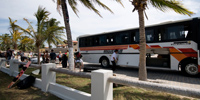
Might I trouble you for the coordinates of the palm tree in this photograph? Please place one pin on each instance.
(45, 28)
(39, 35)
(26, 44)
(5, 41)
(54, 34)
(61, 4)
(163, 5)
(14, 32)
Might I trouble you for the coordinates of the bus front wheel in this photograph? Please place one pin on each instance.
(189, 68)
(105, 62)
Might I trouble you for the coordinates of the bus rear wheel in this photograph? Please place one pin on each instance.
(189, 68)
(105, 62)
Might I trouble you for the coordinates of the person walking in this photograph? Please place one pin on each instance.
(64, 60)
(43, 57)
(46, 57)
(8, 55)
(52, 56)
(60, 57)
(30, 55)
(114, 59)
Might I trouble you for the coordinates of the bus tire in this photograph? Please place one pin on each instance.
(189, 68)
(105, 62)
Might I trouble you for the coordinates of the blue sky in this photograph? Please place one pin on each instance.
(88, 22)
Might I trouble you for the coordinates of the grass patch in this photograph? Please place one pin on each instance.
(82, 84)
(14, 93)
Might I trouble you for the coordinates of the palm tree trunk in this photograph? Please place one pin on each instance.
(49, 47)
(142, 63)
(15, 46)
(38, 51)
(68, 33)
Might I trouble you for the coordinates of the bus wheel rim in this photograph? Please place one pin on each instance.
(104, 63)
(191, 69)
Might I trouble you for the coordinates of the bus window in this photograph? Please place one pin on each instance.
(149, 35)
(110, 39)
(134, 37)
(81, 42)
(176, 32)
(102, 40)
(122, 38)
(90, 41)
(96, 41)
(137, 36)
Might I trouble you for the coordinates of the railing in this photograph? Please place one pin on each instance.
(101, 83)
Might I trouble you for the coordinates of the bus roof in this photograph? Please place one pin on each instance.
(159, 24)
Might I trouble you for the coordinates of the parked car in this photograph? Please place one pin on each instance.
(34, 60)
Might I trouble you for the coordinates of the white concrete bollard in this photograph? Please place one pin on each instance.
(101, 88)
(2, 63)
(13, 66)
(47, 75)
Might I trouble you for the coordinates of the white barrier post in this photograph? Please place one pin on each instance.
(2, 63)
(101, 88)
(47, 75)
(13, 66)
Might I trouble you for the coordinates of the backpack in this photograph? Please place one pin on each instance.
(26, 82)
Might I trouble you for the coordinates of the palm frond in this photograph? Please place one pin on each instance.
(164, 5)
(73, 5)
(88, 4)
(103, 5)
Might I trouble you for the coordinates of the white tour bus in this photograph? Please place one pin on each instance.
(171, 45)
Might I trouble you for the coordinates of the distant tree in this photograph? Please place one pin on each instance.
(45, 28)
(55, 33)
(5, 41)
(38, 35)
(15, 34)
(26, 44)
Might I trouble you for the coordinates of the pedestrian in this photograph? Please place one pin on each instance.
(13, 54)
(21, 55)
(114, 59)
(64, 60)
(77, 60)
(60, 57)
(67, 54)
(30, 54)
(8, 55)
(43, 57)
(52, 56)
(46, 57)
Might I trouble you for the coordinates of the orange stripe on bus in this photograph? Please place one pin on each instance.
(148, 47)
(135, 46)
(155, 46)
(104, 48)
(179, 57)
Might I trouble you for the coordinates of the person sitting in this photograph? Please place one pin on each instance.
(78, 57)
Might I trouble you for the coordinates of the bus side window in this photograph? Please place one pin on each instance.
(134, 37)
(96, 41)
(110, 39)
(125, 38)
(177, 32)
(149, 35)
(102, 40)
(137, 36)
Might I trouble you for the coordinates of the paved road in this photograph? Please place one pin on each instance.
(158, 76)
